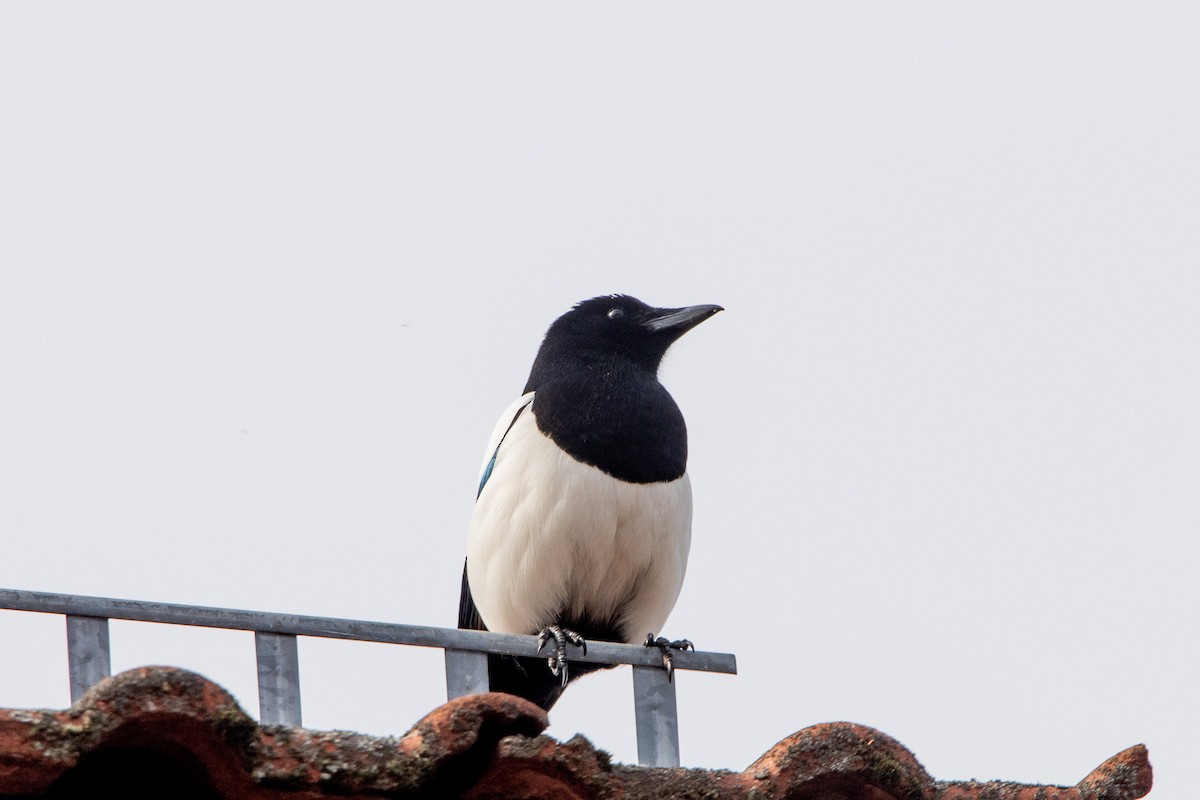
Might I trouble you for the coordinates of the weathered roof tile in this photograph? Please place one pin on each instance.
(165, 731)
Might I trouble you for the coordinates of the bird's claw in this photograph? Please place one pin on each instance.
(560, 635)
(666, 646)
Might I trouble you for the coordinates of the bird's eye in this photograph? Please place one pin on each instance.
(615, 313)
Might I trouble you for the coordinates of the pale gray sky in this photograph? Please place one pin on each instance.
(270, 272)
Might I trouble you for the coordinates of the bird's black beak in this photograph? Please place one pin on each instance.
(678, 321)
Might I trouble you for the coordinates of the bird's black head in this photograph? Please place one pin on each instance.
(610, 327)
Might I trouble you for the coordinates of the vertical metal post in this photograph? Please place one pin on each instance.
(466, 673)
(88, 658)
(278, 678)
(657, 717)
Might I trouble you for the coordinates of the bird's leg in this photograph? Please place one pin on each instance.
(560, 635)
(666, 646)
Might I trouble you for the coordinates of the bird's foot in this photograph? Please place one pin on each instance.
(666, 646)
(560, 635)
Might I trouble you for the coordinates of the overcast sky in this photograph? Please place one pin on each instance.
(269, 272)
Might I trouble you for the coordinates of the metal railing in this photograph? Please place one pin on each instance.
(279, 664)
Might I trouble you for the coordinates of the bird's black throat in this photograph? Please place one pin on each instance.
(615, 415)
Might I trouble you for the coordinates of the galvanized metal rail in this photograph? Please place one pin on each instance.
(279, 664)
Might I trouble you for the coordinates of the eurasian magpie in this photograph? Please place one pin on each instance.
(583, 517)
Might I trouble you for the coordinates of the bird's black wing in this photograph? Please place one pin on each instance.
(468, 614)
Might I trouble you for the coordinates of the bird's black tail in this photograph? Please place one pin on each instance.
(529, 678)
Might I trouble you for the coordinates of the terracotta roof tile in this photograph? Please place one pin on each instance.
(160, 731)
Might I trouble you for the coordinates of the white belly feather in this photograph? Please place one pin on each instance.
(550, 533)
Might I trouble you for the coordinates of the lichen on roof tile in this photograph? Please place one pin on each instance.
(173, 726)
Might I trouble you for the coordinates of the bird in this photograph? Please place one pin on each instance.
(582, 521)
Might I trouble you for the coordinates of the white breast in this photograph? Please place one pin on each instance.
(551, 534)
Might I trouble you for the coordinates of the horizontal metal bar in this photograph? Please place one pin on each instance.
(359, 630)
